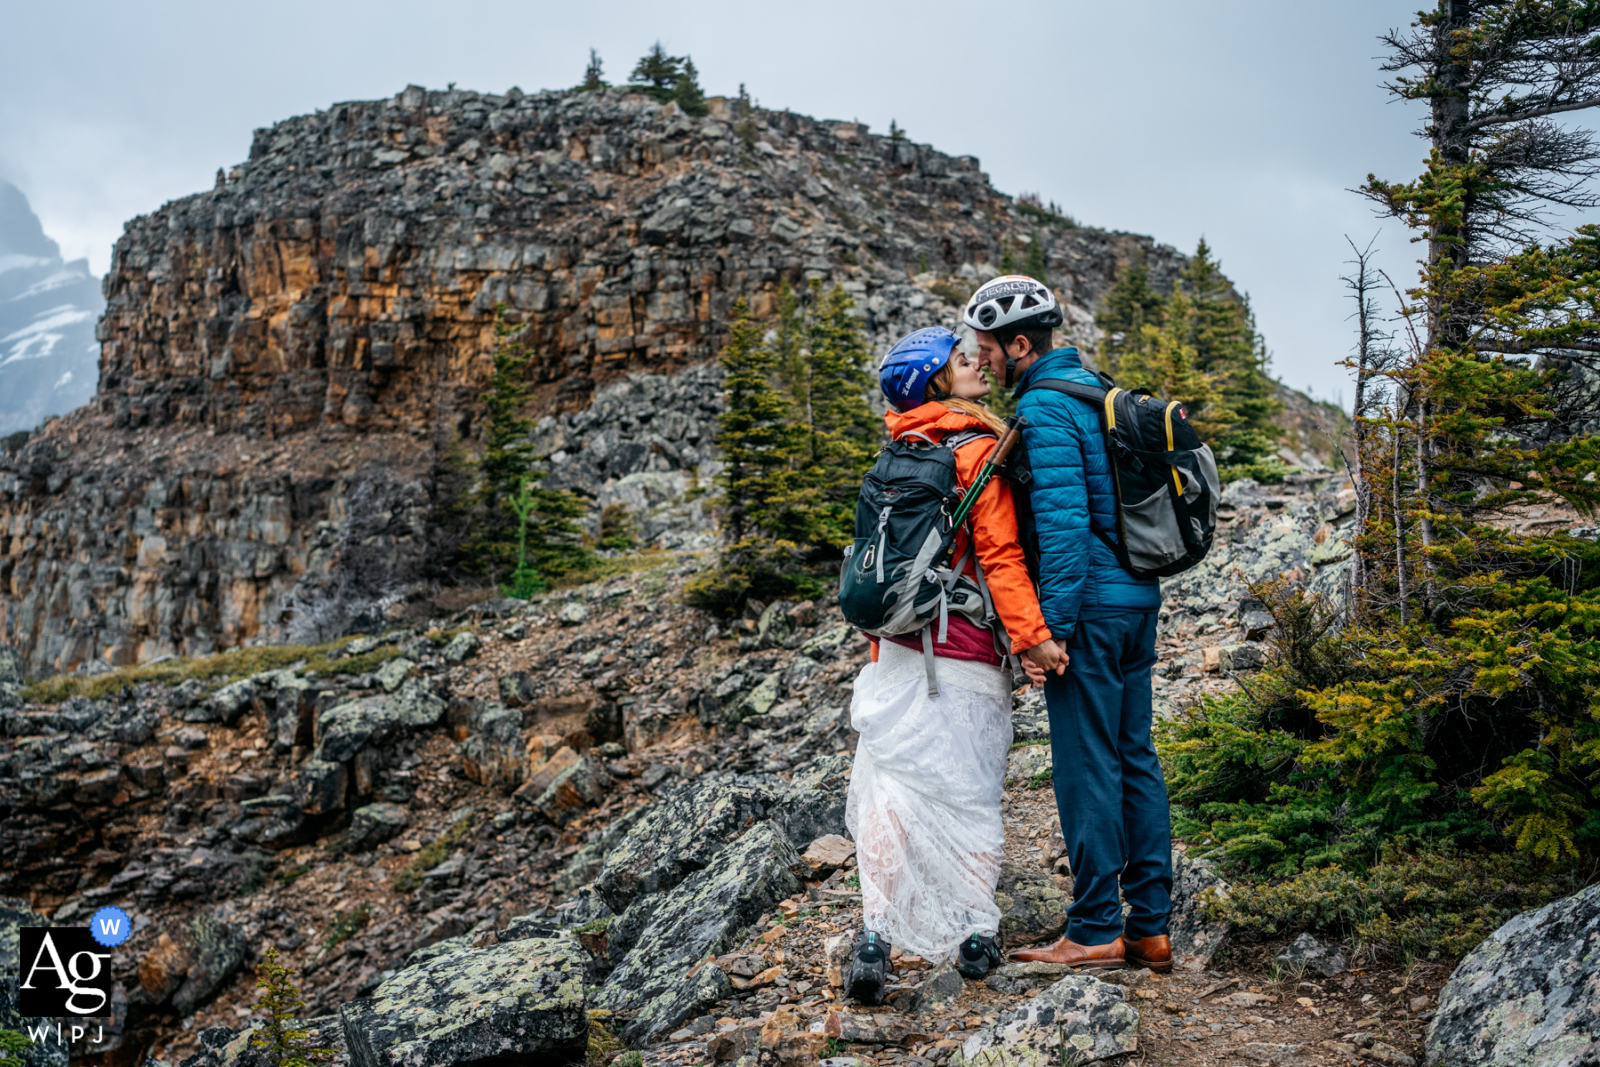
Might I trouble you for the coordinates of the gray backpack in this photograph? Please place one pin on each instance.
(1165, 477)
(897, 577)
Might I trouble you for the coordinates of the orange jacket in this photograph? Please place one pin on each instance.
(993, 520)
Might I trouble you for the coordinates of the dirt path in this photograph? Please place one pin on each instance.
(1244, 1010)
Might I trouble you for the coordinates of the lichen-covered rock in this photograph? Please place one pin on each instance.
(1306, 953)
(1078, 1016)
(226, 705)
(319, 787)
(517, 1001)
(1025, 763)
(1194, 939)
(344, 730)
(679, 835)
(286, 701)
(942, 985)
(1032, 908)
(187, 968)
(493, 754)
(462, 647)
(1030, 720)
(393, 672)
(374, 824)
(812, 805)
(1528, 996)
(15, 913)
(1015, 978)
(697, 919)
(223, 1046)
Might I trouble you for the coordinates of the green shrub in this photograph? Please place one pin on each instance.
(11, 1043)
(1433, 903)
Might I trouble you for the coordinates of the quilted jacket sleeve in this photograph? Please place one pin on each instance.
(1060, 498)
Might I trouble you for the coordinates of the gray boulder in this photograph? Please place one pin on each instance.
(518, 1001)
(187, 968)
(374, 824)
(700, 917)
(344, 730)
(1306, 953)
(1033, 910)
(227, 704)
(1529, 995)
(812, 805)
(462, 647)
(286, 700)
(679, 835)
(1078, 1019)
(1192, 937)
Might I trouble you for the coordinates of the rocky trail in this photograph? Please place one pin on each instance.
(602, 800)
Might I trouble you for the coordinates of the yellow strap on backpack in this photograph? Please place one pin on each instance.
(1177, 481)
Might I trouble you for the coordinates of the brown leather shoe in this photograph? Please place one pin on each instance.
(1074, 955)
(1152, 952)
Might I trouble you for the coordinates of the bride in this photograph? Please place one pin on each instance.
(924, 804)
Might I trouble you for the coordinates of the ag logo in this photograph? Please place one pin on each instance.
(64, 972)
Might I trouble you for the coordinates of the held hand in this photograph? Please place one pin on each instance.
(1044, 658)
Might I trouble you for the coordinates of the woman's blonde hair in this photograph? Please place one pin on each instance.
(944, 381)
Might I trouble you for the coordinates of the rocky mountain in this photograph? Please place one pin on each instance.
(469, 833)
(284, 355)
(49, 358)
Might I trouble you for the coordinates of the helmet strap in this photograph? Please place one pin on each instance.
(1011, 370)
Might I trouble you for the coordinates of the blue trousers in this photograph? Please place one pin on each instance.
(1109, 787)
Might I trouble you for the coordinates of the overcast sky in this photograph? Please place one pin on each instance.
(1245, 121)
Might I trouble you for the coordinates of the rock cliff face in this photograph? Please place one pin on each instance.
(282, 355)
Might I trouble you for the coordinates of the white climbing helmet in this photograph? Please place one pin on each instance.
(1009, 300)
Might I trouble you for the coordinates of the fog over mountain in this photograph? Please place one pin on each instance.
(49, 359)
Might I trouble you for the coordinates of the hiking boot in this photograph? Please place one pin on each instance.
(869, 969)
(979, 955)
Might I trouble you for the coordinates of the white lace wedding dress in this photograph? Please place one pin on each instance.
(924, 805)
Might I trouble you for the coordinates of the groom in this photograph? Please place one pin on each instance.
(1108, 783)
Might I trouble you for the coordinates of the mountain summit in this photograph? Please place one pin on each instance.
(49, 358)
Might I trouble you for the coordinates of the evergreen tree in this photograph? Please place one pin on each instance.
(843, 433)
(746, 130)
(1227, 347)
(281, 1000)
(757, 440)
(550, 538)
(1454, 701)
(686, 92)
(592, 75)
(1036, 267)
(1166, 362)
(1127, 308)
(657, 73)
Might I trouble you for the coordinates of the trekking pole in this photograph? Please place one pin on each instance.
(1002, 448)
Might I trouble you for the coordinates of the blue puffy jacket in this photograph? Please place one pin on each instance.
(1080, 577)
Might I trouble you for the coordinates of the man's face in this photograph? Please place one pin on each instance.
(991, 356)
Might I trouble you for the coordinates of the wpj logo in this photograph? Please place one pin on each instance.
(66, 970)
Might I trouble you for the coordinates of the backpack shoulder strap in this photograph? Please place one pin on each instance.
(953, 441)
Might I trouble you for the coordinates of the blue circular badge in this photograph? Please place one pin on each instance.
(110, 926)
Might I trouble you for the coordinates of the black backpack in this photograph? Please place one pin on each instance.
(897, 577)
(1165, 478)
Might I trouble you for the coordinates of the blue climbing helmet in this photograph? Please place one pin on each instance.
(903, 375)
